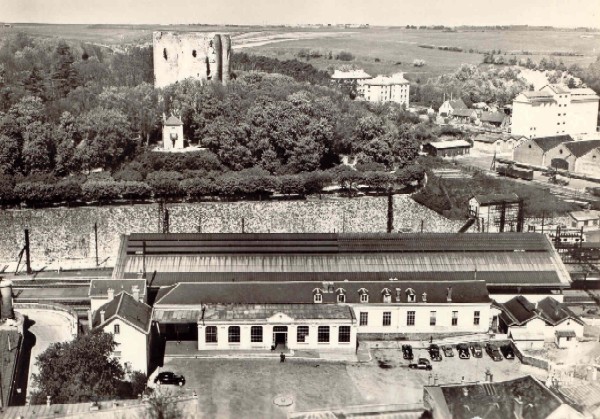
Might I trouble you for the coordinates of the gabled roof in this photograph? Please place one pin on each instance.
(493, 199)
(538, 96)
(99, 287)
(583, 93)
(386, 81)
(173, 121)
(547, 143)
(457, 104)
(581, 148)
(496, 117)
(302, 292)
(464, 112)
(559, 88)
(126, 308)
(554, 312)
(498, 399)
(517, 311)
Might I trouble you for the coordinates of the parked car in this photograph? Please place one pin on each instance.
(463, 351)
(407, 352)
(448, 352)
(421, 364)
(507, 351)
(168, 377)
(434, 352)
(476, 350)
(493, 351)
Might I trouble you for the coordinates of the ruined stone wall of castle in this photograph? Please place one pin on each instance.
(197, 55)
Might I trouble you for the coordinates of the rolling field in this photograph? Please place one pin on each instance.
(395, 48)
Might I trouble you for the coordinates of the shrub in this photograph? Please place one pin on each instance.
(198, 187)
(165, 183)
(344, 56)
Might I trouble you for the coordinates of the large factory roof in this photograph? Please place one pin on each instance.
(501, 258)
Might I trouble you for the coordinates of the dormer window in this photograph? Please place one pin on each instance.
(317, 295)
(364, 295)
(387, 295)
(411, 297)
(341, 295)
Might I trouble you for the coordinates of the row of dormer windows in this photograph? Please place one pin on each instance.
(386, 295)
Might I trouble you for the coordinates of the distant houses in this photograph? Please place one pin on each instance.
(394, 88)
(450, 106)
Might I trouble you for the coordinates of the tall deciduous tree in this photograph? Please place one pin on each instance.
(64, 76)
(78, 371)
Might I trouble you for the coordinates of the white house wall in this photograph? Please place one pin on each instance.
(132, 345)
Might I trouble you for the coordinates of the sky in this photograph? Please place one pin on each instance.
(560, 13)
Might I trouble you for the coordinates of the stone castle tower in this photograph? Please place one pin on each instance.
(197, 55)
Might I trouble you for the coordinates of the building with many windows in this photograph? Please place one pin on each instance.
(555, 110)
(320, 315)
(385, 89)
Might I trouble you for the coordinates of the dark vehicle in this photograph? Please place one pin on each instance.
(448, 352)
(463, 351)
(493, 351)
(476, 350)
(421, 364)
(507, 351)
(434, 352)
(407, 352)
(167, 377)
(514, 172)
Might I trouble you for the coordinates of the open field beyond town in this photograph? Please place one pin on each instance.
(395, 48)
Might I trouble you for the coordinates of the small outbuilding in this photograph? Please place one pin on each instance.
(173, 134)
(450, 148)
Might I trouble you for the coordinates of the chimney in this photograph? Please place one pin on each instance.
(449, 295)
(6, 307)
(398, 293)
(48, 398)
(135, 292)
(102, 316)
(518, 412)
(424, 296)
(111, 294)
(90, 319)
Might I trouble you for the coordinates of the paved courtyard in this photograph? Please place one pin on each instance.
(246, 387)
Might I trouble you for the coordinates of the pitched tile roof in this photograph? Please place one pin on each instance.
(493, 199)
(100, 287)
(302, 292)
(581, 148)
(463, 112)
(547, 143)
(497, 399)
(126, 308)
(458, 104)
(559, 88)
(518, 311)
(554, 312)
(173, 121)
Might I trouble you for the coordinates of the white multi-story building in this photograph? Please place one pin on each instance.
(555, 110)
(385, 89)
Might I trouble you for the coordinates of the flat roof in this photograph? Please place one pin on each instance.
(449, 144)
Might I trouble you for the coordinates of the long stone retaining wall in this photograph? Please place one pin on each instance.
(65, 311)
(64, 237)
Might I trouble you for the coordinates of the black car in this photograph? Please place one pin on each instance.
(168, 377)
(463, 351)
(421, 364)
(507, 351)
(407, 352)
(434, 352)
(476, 350)
(493, 351)
(448, 352)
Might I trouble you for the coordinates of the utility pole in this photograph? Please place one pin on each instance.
(243, 225)
(96, 242)
(27, 253)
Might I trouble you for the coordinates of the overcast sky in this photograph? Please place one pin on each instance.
(563, 13)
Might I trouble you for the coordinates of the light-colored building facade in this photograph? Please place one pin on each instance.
(576, 156)
(385, 89)
(586, 219)
(323, 315)
(534, 151)
(555, 110)
(129, 321)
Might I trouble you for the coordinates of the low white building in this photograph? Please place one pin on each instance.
(129, 320)
(385, 89)
(321, 315)
(535, 323)
(586, 219)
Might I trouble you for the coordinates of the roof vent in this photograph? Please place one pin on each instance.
(449, 295)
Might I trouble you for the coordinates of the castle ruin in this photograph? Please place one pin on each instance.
(197, 55)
